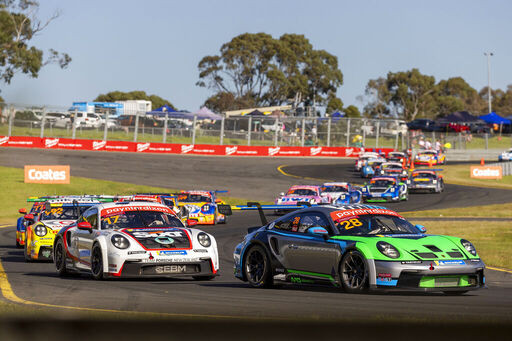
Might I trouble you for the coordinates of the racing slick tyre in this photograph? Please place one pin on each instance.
(25, 253)
(97, 263)
(18, 245)
(257, 268)
(354, 272)
(203, 278)
(60, 258)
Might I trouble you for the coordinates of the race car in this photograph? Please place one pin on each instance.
(394, 169)
(201, 206)
(371, 167)
(385, 189)
(399, 157)
(167, 199)
(356, 247)
(360, 162)
(22, 222)
(429, 158)
(505, 156)
(134, 239)
(56, 214)
(426, 180)
(302, 193)
(341, 193)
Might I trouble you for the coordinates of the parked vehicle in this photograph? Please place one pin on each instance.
(424, 124)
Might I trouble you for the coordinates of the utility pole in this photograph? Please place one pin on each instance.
(489, 55)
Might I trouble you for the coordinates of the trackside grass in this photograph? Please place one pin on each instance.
(494, 211)
(459, 175)
(15, 192)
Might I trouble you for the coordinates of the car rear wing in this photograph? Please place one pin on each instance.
(70, 198)
(428, 169)
(256, 206)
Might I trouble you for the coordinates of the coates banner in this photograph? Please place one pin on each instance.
(47, 174)
(486, 172)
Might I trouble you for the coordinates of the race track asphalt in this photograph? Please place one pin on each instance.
(226, 296)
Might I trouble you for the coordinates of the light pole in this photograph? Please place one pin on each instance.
(489, 54)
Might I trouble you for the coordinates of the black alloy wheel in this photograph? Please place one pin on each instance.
(354, 272)
(97, 263)
(257, 267)
(60, 258)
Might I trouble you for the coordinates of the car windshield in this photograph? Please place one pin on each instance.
(187, 197)
(38, 207)
(139, 219)
(424, 175)
(301, 191)
(392, 167)
(382, 183)
(373, 224)
(334, 189)
(63, 213)
(169, 202)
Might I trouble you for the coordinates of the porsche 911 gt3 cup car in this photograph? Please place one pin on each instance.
(371, 167)
(135, 239)
(341, 193)
(394, 169)
(385, 189)
(56, 214)
(429, 158)
(426, 180)
(356, 247)
(201, 206)
(505, 156)
(302, 193)
(360, 162)
(22, 222)
(166, 199)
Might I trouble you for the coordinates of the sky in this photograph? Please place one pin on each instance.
(156, 45)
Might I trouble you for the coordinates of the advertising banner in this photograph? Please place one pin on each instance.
(37, 174)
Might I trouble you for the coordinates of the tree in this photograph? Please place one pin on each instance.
(352, 111)
(115, 96)
(456, 94)
(501, 100)
(258, 68)
(334, 104)
(18, 25)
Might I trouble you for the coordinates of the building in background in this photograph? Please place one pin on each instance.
(116, 108)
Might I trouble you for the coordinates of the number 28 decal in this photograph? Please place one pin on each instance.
(351, 223)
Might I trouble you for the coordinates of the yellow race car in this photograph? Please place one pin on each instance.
(201, 206)
(42, 228)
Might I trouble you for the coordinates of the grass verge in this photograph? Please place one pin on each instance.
(459, 175)
(491, 239)
(15, 192)
(495, 211)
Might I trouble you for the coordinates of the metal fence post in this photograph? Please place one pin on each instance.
(105, 128)
(377, 135)
(275, 135)
(348, 133)
(136, 131)
(43, 119)
(12, 112)
(486, 141)
(249, 129)
(164, 134)
(73, 124)
(403, 142)
(194, 130)
(364, 136)
(396, 141)
(303, 132)
(222, 130)
(329, 132)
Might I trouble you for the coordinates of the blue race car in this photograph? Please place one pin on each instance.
(341, 193)
(371, 167)
(385, 189)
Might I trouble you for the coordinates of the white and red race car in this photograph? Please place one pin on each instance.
(135, 239)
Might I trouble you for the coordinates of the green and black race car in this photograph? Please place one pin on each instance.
(357, 247)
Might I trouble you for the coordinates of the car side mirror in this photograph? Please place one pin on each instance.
(191, 222)
(224, 209)
(22, 211)
(318, 231)
(29, 217)
(84, 225)
(421, 228)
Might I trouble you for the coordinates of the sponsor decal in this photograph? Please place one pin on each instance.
(315, 150)
(486, 172)
(172, 253)
(142, 146)
(97, 145)
(120, 209)
(336, 215)
(49, 143)
(450, 262)
(231, 150)
(162, 237)
(164, 240)
(187, 148)
(4, 140)
(349, 151)
(47, 174)
(171, 269)
(273, 150)
(136, 252)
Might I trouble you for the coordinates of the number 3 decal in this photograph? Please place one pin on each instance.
(351, 223)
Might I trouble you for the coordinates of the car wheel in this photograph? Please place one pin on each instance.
(203, 278)
(25, 252)
(97, 263)
(60, 258)
(354, 272)
(18, 245)
(257, 268)
(455, 293)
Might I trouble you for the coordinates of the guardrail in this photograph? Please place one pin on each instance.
(506, 167)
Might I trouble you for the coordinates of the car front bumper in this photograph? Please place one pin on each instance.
(203, 267)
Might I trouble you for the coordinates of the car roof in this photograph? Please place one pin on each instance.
(129, 204)
(330, 208)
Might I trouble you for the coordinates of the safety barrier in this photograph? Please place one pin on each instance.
(170, 148)
(506, 167)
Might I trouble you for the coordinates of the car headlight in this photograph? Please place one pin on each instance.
(388, 250)
(41, 230)
(120, 242)
(204, 239)
(468, 246)
(205, 208)
(408, 181)
(392, 189)
(363, 189)
(434, 181)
